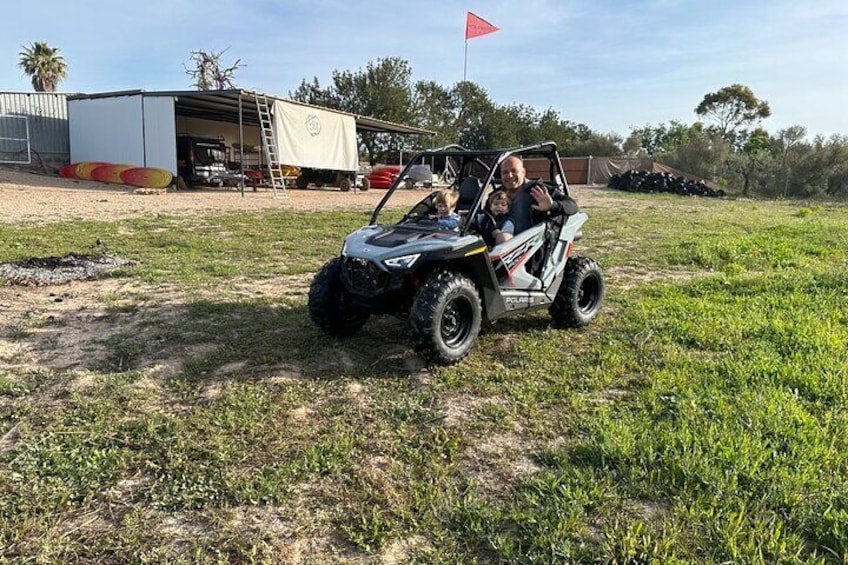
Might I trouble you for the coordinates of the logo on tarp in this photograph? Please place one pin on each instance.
(313, 124)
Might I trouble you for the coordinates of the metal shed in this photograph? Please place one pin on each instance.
(34, 129)
(140, 128)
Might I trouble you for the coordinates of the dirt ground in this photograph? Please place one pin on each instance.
(26, 197)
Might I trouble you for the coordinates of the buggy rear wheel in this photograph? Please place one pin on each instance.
(446, 316)
(330, 306)
(581, 294)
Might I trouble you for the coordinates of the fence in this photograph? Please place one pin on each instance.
(599, 170)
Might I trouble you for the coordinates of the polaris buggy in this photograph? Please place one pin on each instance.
(447, 282)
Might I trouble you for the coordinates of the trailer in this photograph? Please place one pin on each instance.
(321, 143)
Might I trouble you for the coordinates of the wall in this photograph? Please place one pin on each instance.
(107, 129)
(47, 121)
(160, 146)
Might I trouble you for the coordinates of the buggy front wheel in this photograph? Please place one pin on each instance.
(445, 317)
(330, 306)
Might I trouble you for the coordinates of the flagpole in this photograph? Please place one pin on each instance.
(465, 63)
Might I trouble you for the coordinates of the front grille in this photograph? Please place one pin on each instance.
(363, 274)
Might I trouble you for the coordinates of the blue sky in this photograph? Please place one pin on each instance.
(612, 65)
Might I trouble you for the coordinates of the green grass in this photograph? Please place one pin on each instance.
(195, 251)
(701, 419)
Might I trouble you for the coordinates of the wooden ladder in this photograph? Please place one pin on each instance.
(269, 144)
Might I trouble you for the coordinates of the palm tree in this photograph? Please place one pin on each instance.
(43, 65)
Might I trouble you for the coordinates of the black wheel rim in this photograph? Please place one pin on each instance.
(457, 320)
(587, 296)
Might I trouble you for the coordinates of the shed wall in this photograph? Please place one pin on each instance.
(47, 121)
(160, 133)
(107, 129)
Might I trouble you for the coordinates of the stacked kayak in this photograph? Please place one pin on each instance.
(383, 177)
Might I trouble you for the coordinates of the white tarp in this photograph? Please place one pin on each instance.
(318, 139)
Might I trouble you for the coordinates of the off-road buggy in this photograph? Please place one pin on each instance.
(447, 282)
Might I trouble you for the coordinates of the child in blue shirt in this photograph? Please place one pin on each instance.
(445, 202)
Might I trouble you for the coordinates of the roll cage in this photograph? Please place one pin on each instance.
(481, 164)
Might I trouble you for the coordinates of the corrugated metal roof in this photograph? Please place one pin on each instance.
(223, 105)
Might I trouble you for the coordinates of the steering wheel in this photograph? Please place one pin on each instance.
(476, 225)
(418, 219)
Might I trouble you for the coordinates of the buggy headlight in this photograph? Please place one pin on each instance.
(402, 262)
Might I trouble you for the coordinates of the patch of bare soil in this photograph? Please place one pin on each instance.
(28, 197)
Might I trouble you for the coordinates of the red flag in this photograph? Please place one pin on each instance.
(476, 26)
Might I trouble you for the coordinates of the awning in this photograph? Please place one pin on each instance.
(223, 106)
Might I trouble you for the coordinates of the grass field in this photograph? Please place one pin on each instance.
(703, 418)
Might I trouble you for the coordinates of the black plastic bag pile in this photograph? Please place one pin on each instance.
(643, 181)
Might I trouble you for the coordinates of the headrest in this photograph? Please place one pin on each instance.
(468, 191)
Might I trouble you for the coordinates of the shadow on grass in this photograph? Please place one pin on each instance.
(209, 341)
(262, 340)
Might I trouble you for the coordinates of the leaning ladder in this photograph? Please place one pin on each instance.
(269, 144)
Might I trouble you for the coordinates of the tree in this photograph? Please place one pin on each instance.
(312, 93)
(661, 138)
(753, 161)
(462, 114)
(634, 145)
(208, 73)
(732, 108)
(809, 168)
(704, 153)
(382, 90)
(787, 145)
(512, 125)
(594, 143)
(434, 109)
(551, 126)
(473, 112)
(43, 64)
(837, 182)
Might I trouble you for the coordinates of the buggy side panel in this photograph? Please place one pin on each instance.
(511, 259)
(555, 262)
